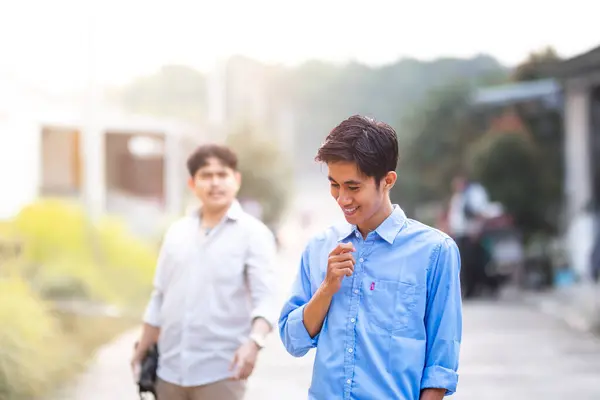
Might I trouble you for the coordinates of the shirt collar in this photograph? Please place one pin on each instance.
(387, 230)
(234, 212)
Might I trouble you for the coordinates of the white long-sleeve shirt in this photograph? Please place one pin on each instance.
(459, 223)
(207, 291)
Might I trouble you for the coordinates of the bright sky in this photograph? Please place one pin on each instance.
(49, 42)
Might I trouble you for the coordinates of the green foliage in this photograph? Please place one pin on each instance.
(31, 354)
(545, 125)
(433, 149)
(320, 94)
(324, 94)
(61, 256)
(41, 349)
(266, 174)
(532, 68)
(66, 256)
(509, 165)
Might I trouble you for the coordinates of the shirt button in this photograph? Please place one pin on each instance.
(356, 291)
(349, 350)
(361, 259)
(352, 320)
(348, 381)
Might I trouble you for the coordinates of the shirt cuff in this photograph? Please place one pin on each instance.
(298, 334)
(267, 314)
(152, 316)
(437, 377)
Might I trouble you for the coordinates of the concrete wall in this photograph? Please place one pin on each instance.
(578, 177)
(20, 163)
(60, 168)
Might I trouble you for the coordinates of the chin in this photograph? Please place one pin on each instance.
(217, 204)
(353, 219)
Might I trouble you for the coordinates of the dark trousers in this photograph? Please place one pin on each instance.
(473, 259)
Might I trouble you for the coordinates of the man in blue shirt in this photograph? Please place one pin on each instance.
(379, 296)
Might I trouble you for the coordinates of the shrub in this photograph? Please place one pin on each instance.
(66, 256)
(61, 255)
(32, 353)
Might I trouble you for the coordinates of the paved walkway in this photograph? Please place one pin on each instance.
(510, 351)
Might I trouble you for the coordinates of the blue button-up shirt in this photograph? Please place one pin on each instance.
(395, 326)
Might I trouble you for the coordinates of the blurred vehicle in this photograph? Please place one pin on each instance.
(504, 255)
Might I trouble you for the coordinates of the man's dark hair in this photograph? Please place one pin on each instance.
(371, 144)
(199, 158)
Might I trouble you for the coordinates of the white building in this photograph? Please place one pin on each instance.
(128, 165)
(580, 78)
(573, 88)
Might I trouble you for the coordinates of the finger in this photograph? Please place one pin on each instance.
(347, 247)
(343, 272)
(342, 257)
(239, 370)
(137, 372)
(236, 371)
(343, 265)
(342, 248)
(245, 372)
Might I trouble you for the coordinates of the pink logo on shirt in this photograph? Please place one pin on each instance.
(372, 285)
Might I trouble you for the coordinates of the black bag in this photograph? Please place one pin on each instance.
(147, 383)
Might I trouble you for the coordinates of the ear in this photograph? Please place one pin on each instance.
(390, 180)
(191, 183)
(238, 178)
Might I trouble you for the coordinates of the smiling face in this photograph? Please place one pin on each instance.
(215, 184)
(364, 203)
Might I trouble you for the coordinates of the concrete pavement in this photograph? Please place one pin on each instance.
(510, 351)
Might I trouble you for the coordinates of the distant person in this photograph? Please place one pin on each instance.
(595, 258)
(214, 290)
(379, 295)
(466, 217)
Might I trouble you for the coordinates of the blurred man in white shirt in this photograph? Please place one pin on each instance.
(466, 215)
(214, 298)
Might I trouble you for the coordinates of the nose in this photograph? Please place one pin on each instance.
(344, 200)
(214, 180)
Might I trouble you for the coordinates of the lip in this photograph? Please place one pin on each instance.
(350, 211)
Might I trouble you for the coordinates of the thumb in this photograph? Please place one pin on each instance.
(233, 362)
(137, 372)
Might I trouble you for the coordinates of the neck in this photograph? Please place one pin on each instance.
(211, 217)
(377, 219)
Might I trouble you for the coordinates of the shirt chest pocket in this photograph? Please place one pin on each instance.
(390, 305)
(227, 264)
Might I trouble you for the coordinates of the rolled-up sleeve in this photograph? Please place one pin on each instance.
(292, 331)
(260, 266)
(443, 320)
(152, 313)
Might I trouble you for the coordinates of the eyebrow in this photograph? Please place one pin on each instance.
(350, 182)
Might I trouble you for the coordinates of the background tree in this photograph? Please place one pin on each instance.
(544, 121)
(533, 67)
(510, 166)
(319, 94)
(266, 174)
(433, 147)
